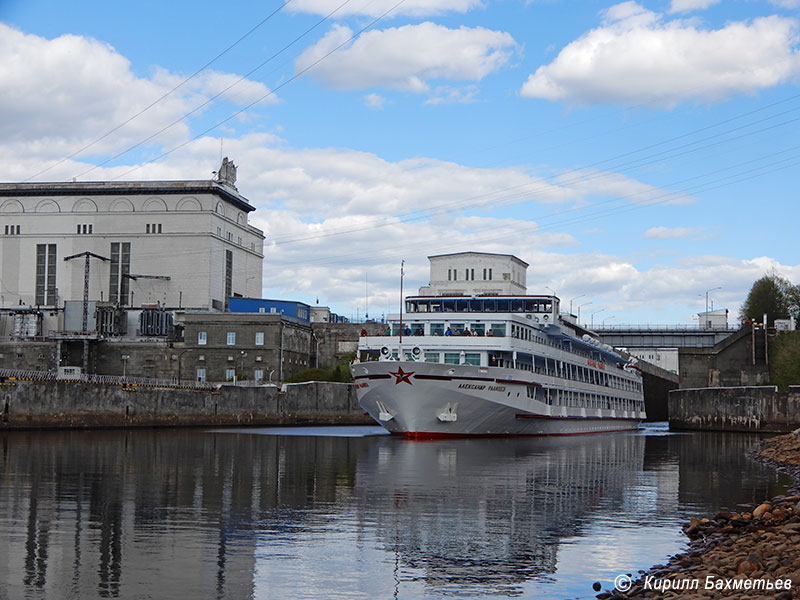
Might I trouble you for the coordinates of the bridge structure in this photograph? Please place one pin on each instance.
(662, 336)
(657, 348)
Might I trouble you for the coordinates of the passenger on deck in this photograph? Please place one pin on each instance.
(448, 331)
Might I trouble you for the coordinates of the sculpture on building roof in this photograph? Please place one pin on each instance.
(227, 173)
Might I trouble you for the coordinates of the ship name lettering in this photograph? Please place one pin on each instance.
(471, 386)
(497, 388)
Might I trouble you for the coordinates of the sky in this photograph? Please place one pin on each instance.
(640, 156)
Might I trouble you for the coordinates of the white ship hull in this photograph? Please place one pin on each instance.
(429, 400)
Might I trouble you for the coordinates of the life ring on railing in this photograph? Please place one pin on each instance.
(416, 351)
(546, 317)
(385, 351)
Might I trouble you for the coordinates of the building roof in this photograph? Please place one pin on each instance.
(96, 188)
(481, 253)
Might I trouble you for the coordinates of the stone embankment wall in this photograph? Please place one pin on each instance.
(64, 404)
(755, 409)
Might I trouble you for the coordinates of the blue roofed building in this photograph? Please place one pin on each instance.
(287, 308)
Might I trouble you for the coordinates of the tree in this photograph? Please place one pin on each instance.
(774, 296)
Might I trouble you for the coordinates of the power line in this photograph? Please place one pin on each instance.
(214, 97)
(165, 95)
(267, 95)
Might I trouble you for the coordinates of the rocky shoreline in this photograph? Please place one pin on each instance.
(753, 554)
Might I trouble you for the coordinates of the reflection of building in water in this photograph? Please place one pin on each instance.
(489, 513)
(149, 514)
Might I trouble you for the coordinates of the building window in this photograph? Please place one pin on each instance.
(202, 338)
(449, 275)
(147, 228)
(258, 374)
(490, 274)
(201, 375)
(230, 374)
(153, 228)
(46, 274)
(228, 276)
(231, 338)
(219, 231)
(12, 229)
(119, 284)
(259, 338)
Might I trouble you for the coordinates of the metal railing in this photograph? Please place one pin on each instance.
(27, 375)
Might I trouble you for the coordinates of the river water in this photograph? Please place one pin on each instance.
(351, 513)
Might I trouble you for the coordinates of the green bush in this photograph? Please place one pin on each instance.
(784, 359)
(339, 372)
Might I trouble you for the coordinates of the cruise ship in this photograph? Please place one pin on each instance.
(484, 362)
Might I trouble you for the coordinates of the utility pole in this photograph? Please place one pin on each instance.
(88, 255)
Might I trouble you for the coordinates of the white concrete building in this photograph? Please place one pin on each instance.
(713, 319)
(174, 243)
(476, 273)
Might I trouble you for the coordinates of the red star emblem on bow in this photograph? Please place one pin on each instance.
(401, 376)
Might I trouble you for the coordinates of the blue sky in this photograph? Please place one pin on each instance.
(636, 154)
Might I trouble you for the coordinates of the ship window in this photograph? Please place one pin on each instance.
(462, 305)
(479, 328)
(431, 357)
(437, 329)
(498, 329)
(436, 306)
(449, 305)
(457, 328)
(417, 329)
(452, 358)
(423, 306)
(490, 305)
(502, 305)
(476, 305)
(518, 305)
(473, 358)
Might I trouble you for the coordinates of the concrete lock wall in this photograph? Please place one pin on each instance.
(64, 404)
(756, 409)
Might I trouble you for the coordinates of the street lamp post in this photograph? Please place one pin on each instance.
(608, 319)
(711, 290)
(570, 303)
(594, 313)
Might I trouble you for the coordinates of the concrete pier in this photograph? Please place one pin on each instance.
(752, 408)
(68, 404)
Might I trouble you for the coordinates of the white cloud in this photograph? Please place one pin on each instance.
(376, 8)
(637, 57)
(684, 6)
(405, 58)
(61, 94)
(444, 94)
(671, 233)
(374, 101)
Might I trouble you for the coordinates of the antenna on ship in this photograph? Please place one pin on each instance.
(400, 348)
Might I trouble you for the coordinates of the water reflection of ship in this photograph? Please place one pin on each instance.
(489, 513)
